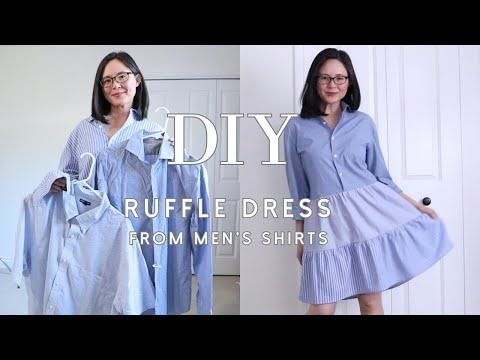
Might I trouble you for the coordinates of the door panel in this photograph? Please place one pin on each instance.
(209, 98)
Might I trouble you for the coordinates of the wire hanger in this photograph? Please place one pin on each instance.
(4, 262)
(84, 182)
(159, 135)
(166, 117)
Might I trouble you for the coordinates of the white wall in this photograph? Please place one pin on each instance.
(46, 91)
(268, 277)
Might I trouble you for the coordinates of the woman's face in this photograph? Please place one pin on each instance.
(332, 82)
(119, 84)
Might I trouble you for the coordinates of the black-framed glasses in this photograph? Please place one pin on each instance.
(338, 79)
(120, 78)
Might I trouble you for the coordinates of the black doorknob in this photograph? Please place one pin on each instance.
(426, 201)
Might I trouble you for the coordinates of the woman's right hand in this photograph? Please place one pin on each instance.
(299, 253)
(59, 185)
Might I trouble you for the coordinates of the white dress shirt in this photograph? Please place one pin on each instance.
(72, 248)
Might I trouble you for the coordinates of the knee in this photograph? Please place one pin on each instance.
(371, 304)
(368, 305)
(323, 309)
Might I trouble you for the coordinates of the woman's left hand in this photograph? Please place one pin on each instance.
(427, 210)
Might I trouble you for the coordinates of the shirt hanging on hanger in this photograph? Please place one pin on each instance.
(94, 139)
(72, 248)
(127, 170)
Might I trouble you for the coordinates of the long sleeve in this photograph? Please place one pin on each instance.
(202, 253)
(296, 176)
(69, 159)
(20, 261)
(135, 292)
(376, 163)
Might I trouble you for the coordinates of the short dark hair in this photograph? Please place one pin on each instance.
(100, 105)
(311, 101)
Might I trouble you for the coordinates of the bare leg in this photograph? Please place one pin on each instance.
(321, 309)
(371, 304)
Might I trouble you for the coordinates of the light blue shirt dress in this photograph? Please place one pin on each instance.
(376, 239)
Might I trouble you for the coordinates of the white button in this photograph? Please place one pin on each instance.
(156, 265)
(324, 123)
(340, 173)
(50, 307)
(333, 137)
(335, 155)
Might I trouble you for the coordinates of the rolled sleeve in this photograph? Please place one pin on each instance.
(376, 162)
(69, 159)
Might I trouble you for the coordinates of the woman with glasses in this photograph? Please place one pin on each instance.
(377, 237)
(119, 109)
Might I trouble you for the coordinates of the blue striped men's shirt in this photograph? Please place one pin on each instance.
(91, 136)
(138, 169)
(72, 248)
(321, 161)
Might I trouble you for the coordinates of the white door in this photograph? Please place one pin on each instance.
(413, 94)
(210, 98)
(226, 183)
(470, 91)
(424, 143)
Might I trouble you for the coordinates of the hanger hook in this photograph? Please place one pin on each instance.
(92, 167)
(166, 117)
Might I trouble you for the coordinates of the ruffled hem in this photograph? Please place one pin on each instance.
(374, 265)
(359, 215)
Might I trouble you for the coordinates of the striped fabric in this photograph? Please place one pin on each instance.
(375, 238)
(321, 161)
(383, 250)
(90, 136)
(137, 169)
(72, 249)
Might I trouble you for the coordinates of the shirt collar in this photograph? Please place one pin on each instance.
(135, 145)
(87, 218)
(344, 115)
(345, 107)
(131, 118)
